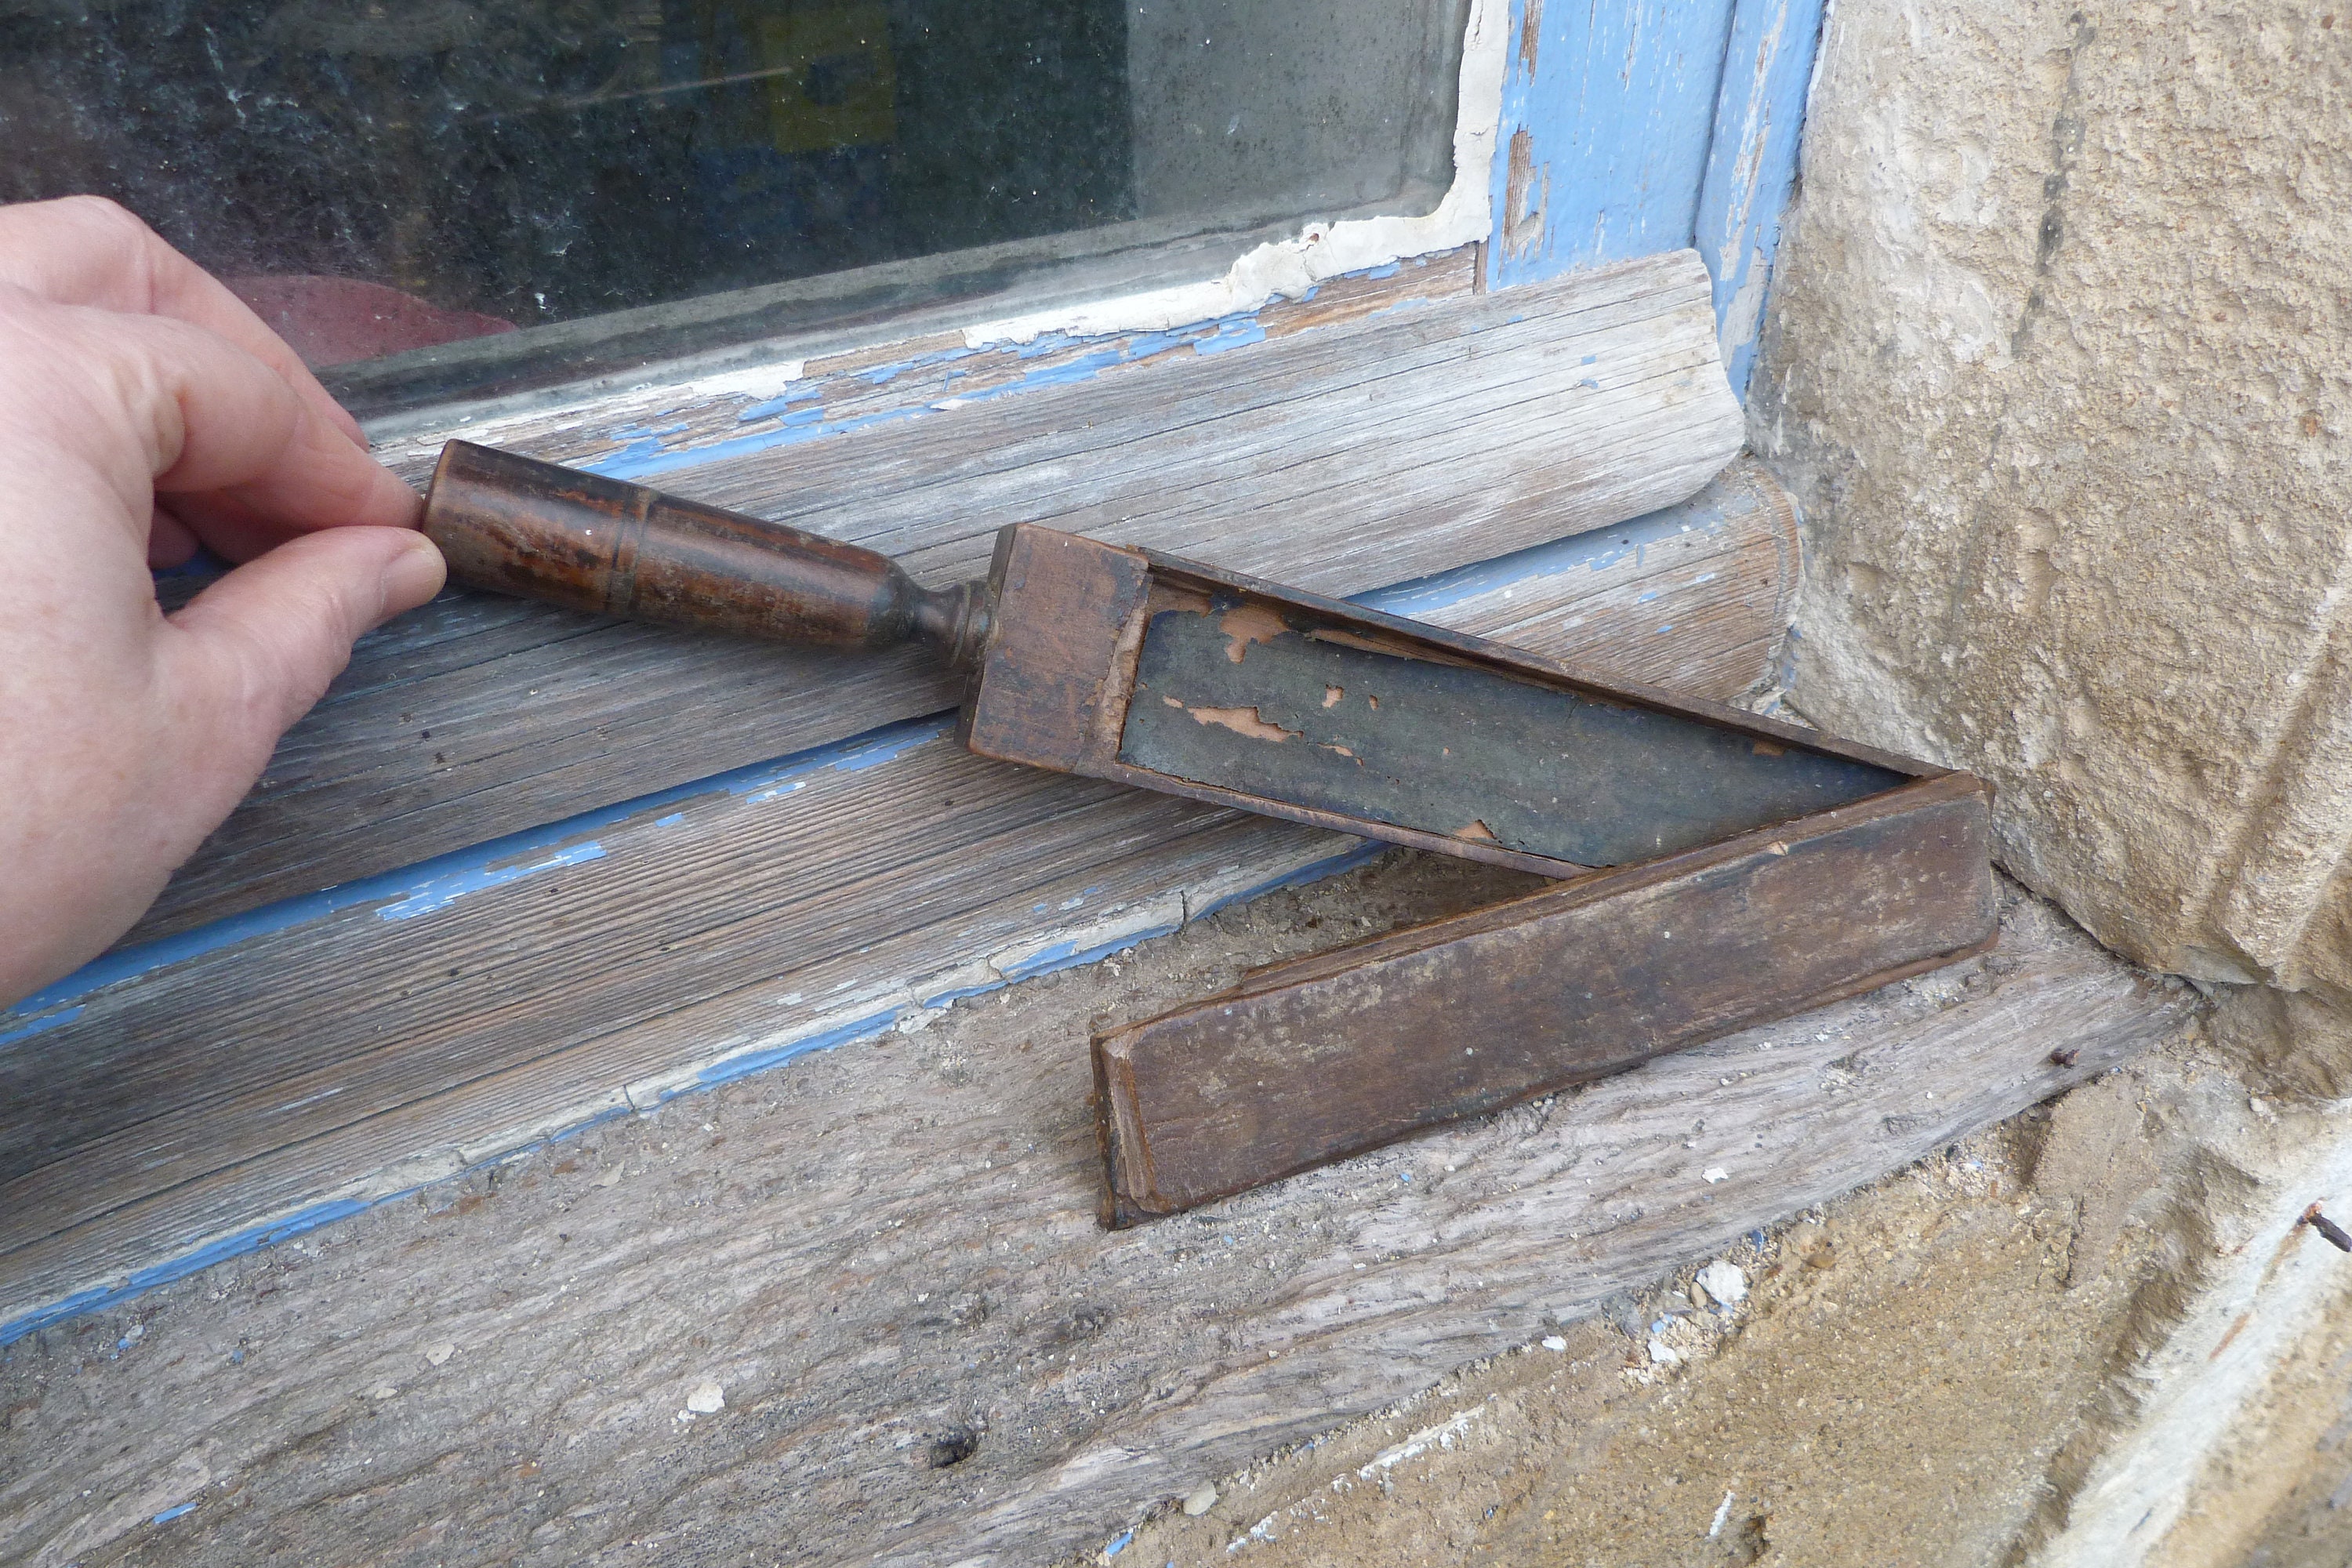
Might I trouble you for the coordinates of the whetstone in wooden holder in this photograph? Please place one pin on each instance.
(1759, 869)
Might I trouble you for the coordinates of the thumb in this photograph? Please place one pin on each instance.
(253, 652)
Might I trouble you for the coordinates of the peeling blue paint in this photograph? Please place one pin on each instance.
(1616, 115)
(964, 993)
(744, 1065)
(1651, 125)
(1594, 551)
(775, 408)
(38, 1024)
(100, 1297)
(646, 455)
(1751, 165)
(1234, 337)
(128, 963)
(439, 892)
(798, 392)
(1069, 955)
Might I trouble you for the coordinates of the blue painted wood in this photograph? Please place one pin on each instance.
(1635, 126)
(1111, 867)
(1751, 164)
(1608, 108)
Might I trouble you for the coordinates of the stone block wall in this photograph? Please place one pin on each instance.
(2061, 364)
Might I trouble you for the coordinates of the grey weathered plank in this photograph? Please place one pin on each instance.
(351, 1048)
(236, 1097)
(1382, 448)
(891, 376)
(888, 1257)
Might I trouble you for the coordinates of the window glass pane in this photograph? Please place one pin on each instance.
(477, 196)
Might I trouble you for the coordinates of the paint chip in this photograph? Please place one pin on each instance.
(1714, 1174)
(1243, 721)
(1248, 624)
(1724, 1281)
(707, 1398)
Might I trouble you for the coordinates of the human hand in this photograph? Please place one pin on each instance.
(145, 410)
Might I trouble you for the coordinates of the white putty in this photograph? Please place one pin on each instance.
(1288, 268)
(757, 382)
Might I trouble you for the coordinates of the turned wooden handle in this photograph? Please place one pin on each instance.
(544, 531)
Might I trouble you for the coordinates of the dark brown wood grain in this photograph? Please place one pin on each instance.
(1049, 689)
(581, 542)
(1314, 1061)
(1171, 675)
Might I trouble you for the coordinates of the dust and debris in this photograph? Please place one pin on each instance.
(1868, 1340)
(1724, 1281)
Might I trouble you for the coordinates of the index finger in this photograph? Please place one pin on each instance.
(88, 250)
(158, 407)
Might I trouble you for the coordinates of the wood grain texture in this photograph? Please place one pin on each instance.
(867, 376)
(1052, 681)
(1751, 164)
(404, 1026)
(1380, 448)
(1313, 1061)
(581, 542)
(1246, 693)
(1607, 113)
(745, 923)
(1632, 126)
(930, 1352)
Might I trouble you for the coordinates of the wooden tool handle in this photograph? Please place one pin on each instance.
(521, 526)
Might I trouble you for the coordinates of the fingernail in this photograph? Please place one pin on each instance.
(412, 575)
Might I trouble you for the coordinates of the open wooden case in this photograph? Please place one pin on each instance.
(1716, 869)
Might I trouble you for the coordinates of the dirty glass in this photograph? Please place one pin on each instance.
(453, 197)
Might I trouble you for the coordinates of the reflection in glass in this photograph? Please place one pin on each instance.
(384, 176)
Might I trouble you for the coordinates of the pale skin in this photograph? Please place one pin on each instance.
(143, 410)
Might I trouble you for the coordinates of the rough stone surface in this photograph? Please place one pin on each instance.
(2056, 363)
(2057, 367)
(2095, 1335)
